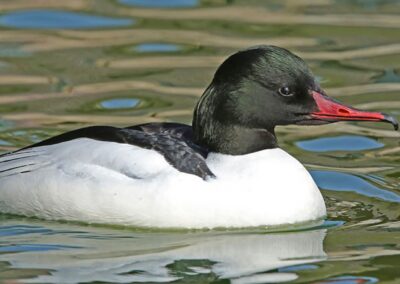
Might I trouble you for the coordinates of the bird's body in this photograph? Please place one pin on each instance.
(224, 171)
(115, 183)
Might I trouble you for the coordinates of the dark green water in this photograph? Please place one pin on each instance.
(68, 64)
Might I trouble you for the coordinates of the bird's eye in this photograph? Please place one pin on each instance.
(285, 91)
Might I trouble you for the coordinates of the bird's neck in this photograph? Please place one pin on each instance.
(236, 140)
(218, 131)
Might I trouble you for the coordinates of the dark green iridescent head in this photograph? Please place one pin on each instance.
(239, 110)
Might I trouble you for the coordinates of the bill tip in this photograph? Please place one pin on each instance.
(392, 120)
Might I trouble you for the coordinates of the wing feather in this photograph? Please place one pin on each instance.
(23, 161)
(172, 140)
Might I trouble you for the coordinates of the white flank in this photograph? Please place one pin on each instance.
(110, 183)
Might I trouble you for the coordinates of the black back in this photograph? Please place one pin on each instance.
(172, 140)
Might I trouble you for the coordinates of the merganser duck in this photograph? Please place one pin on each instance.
(226, 170)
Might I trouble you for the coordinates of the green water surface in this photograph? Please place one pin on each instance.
(69, 64)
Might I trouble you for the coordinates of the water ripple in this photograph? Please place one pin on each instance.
(33, 247)
(157, 47)
(161, 3)
(119, 103)
(339, 143)
(53, 20)
(337, 181)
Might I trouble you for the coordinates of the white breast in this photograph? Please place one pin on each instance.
(105, 182)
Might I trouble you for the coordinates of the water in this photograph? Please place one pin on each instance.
(157, 47)
(68, 64)
(339, 143)
(161, 3)
(119, 103)
(51, 19)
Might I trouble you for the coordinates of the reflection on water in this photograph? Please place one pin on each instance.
(300, 267)
(4, 143)
(119, 103)
(161, 3)
(52, 19)
(19, 137)
(30, 248)
(388, 76)
(88, 256)
(337, 181)
(157, 47)
(339, 143)
(370, 5)
(69, 64)
(12, 50)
